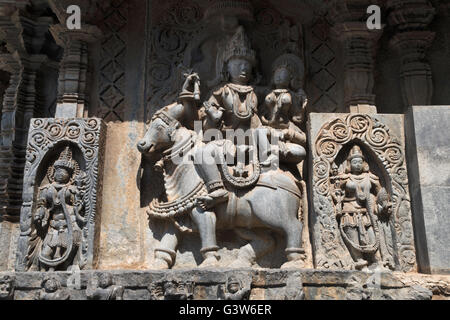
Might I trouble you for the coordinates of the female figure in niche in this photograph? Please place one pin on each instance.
(360, 204)
(58, 215)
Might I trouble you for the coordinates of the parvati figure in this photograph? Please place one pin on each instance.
(285, 108)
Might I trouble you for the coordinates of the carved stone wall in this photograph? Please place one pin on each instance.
(381, 136)
(189, 34)
(112, 62)
(324, 78)
(46, 138)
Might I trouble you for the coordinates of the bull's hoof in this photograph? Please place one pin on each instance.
(294, 264)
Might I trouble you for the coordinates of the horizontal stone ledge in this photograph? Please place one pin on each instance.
(261, 284)
(260, 277)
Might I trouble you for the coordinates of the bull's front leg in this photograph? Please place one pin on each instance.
(166, 253)
(206, 223)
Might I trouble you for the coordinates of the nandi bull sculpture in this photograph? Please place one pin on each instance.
(273, 202)
(205, 192)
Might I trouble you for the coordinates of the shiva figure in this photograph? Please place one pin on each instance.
(233, 106)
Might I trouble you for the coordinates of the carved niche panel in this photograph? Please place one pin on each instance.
(62, 182)
(333, 145)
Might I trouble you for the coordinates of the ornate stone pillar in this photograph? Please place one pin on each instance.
(359, 50)
(20, 102)
(410, 19)
(72, 84)
(359, 45)
(23, 35)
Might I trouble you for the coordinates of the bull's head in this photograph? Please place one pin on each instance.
(160, 134)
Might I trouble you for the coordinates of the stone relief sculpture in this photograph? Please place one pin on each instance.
(61, 198)
(361, 205)
(103, 288)
(59, 216)
(6, 287)
(234, 289)
(53, 290)
(285, 108)
(362, 215)
(171, 289)
(204, 196)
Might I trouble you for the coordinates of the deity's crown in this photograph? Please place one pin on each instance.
(355, 152)
(65, 160)
(239, 47)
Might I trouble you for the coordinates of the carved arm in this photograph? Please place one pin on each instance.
(213, 111)
(41, 214)
(384, 204)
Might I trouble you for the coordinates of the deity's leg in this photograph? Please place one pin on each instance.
(292, 153)
(47, 252)
(353, 234)
(206, 223)
(206, 162)
(263, 145)
(372, 238)
(165, 254)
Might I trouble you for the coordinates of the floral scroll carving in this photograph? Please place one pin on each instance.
(388, 155)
